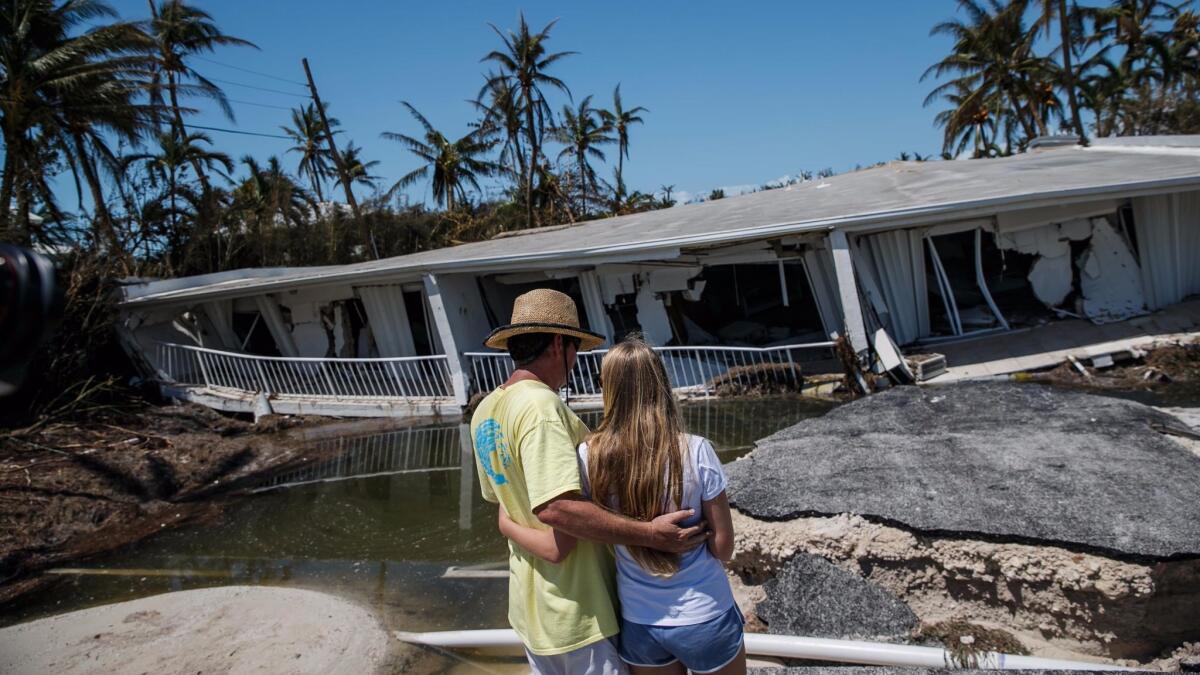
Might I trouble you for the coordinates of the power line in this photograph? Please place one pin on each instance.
(260, 105)
(253, 86)
(235, 131)
(252, 72)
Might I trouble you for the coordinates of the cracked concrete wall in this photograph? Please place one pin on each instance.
(1107, 274)
(1049, 597)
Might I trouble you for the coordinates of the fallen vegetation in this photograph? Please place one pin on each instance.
(73, 489)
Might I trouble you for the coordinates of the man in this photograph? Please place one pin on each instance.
(525, 444)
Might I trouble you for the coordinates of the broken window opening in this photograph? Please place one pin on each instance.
(253, 334)
(960, 301)
(500, 295)
(1006, 274)
(418, 321)
(623, 314)
(751, 304)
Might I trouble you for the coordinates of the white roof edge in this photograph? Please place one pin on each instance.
(893, 218)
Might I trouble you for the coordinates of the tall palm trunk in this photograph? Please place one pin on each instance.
(527, 93)
(181, 130)
(11, 157)
(1064, 28)
(621, 166)
(583, 185)
(316, 180)
(24, 235)
(103, 219)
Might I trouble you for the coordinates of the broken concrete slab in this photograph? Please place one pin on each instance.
(815, 598)
(1024, 463)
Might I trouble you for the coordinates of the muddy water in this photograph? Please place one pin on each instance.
(380, 523)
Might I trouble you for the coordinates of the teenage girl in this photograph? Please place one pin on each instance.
(677, 611)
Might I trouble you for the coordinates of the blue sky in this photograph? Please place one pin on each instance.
(737, 94)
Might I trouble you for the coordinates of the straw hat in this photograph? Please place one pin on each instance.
(544, 310)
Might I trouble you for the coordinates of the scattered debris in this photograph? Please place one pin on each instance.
(758, 380)
(966, 641)
(926, 366)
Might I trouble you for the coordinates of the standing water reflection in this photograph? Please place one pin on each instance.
(379, 523)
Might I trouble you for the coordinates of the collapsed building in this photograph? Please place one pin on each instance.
(924, 255)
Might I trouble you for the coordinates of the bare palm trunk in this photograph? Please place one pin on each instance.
(103, 220)
(583, 188)
(1019, 112)
(181, 131)
(316, 181)
(11, 158)
(533, 152)
(1064, 27)
(621, 168)
(24, 233)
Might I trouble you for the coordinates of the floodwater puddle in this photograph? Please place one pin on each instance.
(379, 523)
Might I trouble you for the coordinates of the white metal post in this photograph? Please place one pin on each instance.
(593, 305)
(437, 306)
(852, 316)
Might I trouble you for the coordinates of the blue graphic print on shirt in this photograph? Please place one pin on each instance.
(489, 440)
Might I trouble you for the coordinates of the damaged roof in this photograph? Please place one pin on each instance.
(893, 195)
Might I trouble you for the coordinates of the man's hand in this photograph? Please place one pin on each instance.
(669, 537)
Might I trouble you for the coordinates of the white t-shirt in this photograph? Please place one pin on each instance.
(699, 591)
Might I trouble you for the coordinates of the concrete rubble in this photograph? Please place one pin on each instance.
(1062, 518)
(813, 597)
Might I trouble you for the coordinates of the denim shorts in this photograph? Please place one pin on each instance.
(702, 647)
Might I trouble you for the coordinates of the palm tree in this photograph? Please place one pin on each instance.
(523, 64)
(1052, 11)
(181, 31)
(580, 131)
(169, 165)
(308, 133)
(357, 170)
(498, 103)
(449, 165)
(968, 120)
(993, 57)
(269, 198)
(54, 84)
(619, 120)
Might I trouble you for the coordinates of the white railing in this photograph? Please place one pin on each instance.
(416, 377)
(386, 453)
(700, 371)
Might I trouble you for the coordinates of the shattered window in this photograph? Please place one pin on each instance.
(751, 305)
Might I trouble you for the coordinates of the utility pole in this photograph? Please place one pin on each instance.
(343, 175)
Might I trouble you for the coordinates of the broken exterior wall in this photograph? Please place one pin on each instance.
(1168, 234)
(1106, 275)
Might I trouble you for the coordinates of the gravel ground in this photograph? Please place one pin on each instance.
(1008, 461)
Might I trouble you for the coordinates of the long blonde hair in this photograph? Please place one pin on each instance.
(636, 455)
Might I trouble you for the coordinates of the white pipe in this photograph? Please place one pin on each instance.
(793, 647)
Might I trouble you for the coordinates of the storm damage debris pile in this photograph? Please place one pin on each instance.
(813, 597)
(1060, 517)
(72, 490)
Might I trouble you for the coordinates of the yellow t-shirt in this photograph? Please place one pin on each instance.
(525, 440)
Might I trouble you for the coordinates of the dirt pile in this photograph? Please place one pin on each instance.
(71, 490)
(1060, 517)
